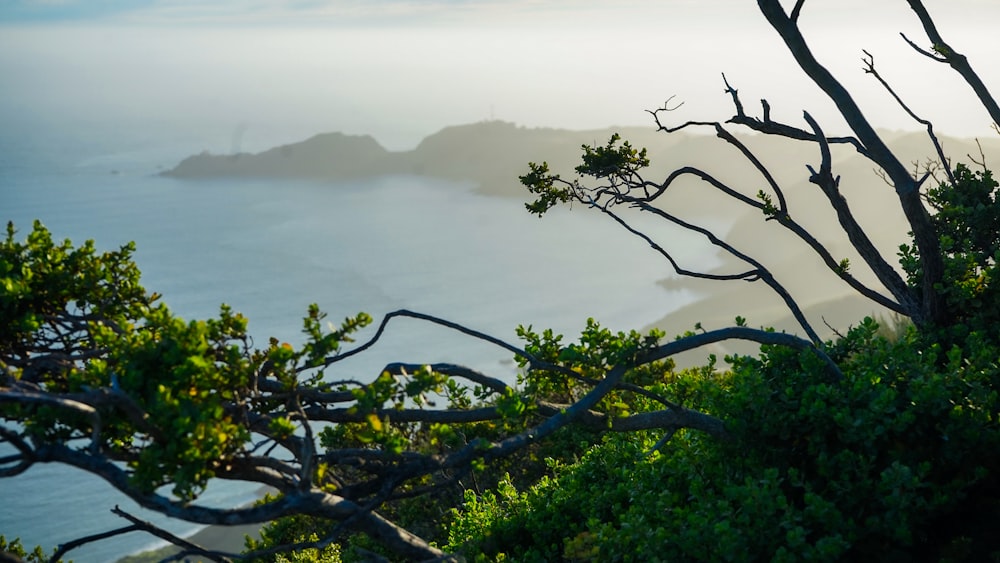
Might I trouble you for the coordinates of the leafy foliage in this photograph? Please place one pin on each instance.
(592, 454)
(15, 549)
(897, 459)
(68, 305)
(894, 462)
(617, 164)
(40, 279)
(293, 530)
(967, 221)
(611, 160)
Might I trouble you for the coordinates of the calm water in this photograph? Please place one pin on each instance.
(271, 248)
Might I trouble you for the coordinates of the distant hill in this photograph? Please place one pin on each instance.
(489, 154)
(492, 154)
(330, 155)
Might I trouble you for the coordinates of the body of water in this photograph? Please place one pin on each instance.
(269, 248)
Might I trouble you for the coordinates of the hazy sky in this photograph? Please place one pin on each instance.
(398, 69)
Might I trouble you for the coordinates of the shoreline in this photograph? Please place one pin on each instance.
(229, 539)
(216, 537)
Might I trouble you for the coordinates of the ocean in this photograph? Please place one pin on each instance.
(270, 248)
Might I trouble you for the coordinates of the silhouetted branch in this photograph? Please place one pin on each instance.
(759, 271)
(24, 459)
(945, 53)
(796, 10)
(769, 127)
(433, 320)
(922, 51)
(65, 548)
(869, 67)
(930, 308)
(780, 214)
(451, 370)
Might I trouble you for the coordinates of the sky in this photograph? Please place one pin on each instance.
(279, 70)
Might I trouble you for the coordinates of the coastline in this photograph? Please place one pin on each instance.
(829, 305)
(229, 539)
(220, 538)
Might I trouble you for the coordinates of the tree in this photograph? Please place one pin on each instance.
(99, 376)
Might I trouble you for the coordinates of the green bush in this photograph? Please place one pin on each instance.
(896, 462)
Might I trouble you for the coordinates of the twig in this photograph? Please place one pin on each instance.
(71, 545)
(869, 68)
(955, 60)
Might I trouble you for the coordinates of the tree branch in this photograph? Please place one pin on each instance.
(759, 271)
(312, 502)
(829, 185)
(65, 548)
(451, 370)
(785, 219)
(433, 320)
(954, 59)
(932, 308)
(21, 396)
(769, 127)
(25, 459)
(780, 214)
(869, 68)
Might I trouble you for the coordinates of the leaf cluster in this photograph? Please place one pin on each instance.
(616, 164)
(897, 461)
(966, 219)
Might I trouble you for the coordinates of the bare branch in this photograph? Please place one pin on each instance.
(982, 156)
(922, 51)
(759, 271)
(26, 397)
(722, 133)
(24, 460)
(187, 547)
(444, 416)
(782, 216)
(869, 68)
(796, 10)
(785, 219)
(671, 419)
(955, 59)
(433, 320)
(71, 545)
(668, 419)
(859, 239)
(308, 450)
(313, 502)
(451, 370)
(534, 363)
(749, 275)
(931, 307)
(736, 97)
(769, 127)
(742, 333)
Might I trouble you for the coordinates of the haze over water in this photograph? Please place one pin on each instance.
(251, 75)
(91, 88)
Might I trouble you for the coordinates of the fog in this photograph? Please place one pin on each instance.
(249, 75)
(109, 76)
